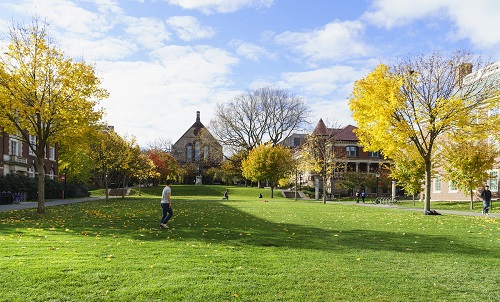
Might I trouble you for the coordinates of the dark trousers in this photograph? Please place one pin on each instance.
(486, 206)
(167, 213)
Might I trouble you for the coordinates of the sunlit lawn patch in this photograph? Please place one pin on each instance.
(245, 249)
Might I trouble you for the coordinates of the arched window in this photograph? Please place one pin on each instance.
(189, 153)
(197, 151)
(205, 153)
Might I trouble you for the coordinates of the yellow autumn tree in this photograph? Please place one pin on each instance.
(109, 155)
(467, 164)
(44, 94)
(415, 103)
(268, 163)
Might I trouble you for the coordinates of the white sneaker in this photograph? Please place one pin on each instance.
(163, 226)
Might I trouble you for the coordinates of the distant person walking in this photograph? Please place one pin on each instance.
(166, 205)
(363, 196)
(226, 194)
(486, 195)
(357, 196)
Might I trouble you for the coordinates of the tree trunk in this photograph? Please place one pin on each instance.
(41, 187)
(106, 186)
(123, 186)
(324, 189)
(471, 200)
(272, 191)
(427, 201)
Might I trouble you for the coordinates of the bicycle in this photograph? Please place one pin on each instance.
(17, 198)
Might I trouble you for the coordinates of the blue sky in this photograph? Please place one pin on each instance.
(163, 60)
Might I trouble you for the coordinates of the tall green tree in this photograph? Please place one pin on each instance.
(268, 163)
(45, 94)
(418, 101)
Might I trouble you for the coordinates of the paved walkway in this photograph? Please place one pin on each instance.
(48, 203)
(478, 213)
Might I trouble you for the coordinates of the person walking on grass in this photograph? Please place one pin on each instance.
(226, 194)
(486, 195)
(166, 205)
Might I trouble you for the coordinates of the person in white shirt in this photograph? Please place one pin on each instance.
(166, 205)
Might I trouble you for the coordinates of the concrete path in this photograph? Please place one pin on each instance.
(48, 203)
(478, 213)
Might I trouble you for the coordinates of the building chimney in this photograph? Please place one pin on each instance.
(462, 70)
(197, 116)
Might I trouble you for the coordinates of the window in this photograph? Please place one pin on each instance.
(15, 147)
(197, 151)
(452, 187)
(296, 141)
(205, 153)
(32, 143)
(51, 153)
(189, 153)
(437, 184)
(493, 112)
(374, 154)
(31, 171)
(493, 180)
(352, 151)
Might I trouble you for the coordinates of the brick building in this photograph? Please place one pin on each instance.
(18, 158)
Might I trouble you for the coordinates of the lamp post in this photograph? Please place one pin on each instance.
(377, 175)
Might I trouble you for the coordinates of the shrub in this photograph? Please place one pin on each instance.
(17, 183)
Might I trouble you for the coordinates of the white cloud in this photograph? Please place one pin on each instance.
(335, 41)
(188, 28)
(199, 64)
(220, 6)
(250, 51)
(65, 14)
(149, 32)
(390, 13)
(180, 81)
(476, 21)
(336, 80)
(107, 48)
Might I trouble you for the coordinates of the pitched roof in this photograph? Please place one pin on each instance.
(320, 128)
(345, 134)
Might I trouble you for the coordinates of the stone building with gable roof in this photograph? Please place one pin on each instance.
(197, 147)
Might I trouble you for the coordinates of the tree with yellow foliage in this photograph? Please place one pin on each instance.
(268, 163)
(467, 164)
(417, 102)
(45, 94)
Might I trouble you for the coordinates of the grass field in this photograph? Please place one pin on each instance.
(245, 249)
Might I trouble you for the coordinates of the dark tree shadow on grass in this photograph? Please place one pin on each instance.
(217, 222)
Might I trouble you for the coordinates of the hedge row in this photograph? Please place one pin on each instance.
(17, 183)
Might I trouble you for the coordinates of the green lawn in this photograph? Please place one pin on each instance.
(245, 249)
